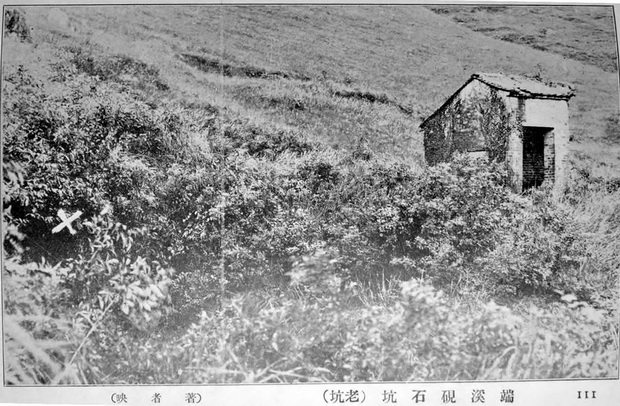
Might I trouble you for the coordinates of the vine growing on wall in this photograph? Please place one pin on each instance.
(439, 142)
(482, 121)
(495, 125)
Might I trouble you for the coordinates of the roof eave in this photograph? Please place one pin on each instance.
(524, 93)
(527, 95)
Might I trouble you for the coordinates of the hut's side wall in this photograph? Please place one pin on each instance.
(456, 127)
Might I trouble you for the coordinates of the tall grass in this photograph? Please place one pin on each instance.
(594, 204)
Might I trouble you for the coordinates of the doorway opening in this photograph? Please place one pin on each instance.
(538, 154)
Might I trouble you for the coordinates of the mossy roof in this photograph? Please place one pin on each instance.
(518, 86)
(526, 86)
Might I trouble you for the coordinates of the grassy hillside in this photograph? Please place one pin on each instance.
(408, 59)
(255, 205)
(582, 33)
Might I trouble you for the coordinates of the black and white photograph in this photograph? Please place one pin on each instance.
(225, 194)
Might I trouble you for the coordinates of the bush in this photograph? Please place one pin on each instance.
(15, 23)
(81, 148)
(538, 247)
(37, 331)
(119, 68)
(89, 308)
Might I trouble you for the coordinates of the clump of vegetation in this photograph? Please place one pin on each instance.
(15, 23)
(612, 129)
(61, 321)
(118, 68)
(209, 64)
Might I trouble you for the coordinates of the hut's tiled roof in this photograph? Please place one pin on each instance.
(519, 86)
(525, 87)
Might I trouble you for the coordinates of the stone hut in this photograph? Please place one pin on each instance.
(520, 121)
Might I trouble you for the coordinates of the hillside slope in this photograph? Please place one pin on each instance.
(584, 33)
(370, 73)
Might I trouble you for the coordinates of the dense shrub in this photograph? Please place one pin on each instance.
(15, 23)
(260, 143)
(537, 249)
(454, 224)
(37, 332)
(62, 321)
(119, 68)
(79, 307)
(82, 144)
(443, 219)
(594, 205)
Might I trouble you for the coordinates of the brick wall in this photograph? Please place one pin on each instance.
(456, 127)
(550, 156)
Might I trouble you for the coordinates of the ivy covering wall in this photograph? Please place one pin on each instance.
(495, 124)
(470, 122)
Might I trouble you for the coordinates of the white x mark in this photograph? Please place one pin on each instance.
(66, 222)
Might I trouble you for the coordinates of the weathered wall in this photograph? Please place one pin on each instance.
(514, 155)
(549, 144)
(438, 136)
(463, 124)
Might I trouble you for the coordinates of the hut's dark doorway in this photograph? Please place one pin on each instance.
(534, 156)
